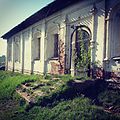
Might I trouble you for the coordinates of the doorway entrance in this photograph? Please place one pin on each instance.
(80, 51)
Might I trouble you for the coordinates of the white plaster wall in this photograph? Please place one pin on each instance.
(113, 49)
(38, 67)
(10, 66)
(55, 25)
(48, 67)
(50, 42)
(17, 67)
(10, 63)
(80, 14)
(36, 32)
(18, 64)
(52, 28)
(50, 25)
(100, 31)
(39, 64)
(81, 10)
(27, 51)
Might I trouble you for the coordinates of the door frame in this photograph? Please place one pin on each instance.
(72, 45)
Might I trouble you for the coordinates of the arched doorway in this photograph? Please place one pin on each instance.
(80, 51)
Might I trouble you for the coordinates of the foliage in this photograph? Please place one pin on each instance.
(76, 109)
(10, 102)
(82, 59)
(9, 81)
(13, 107)
(2, 60)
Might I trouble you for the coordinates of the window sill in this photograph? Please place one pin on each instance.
(9, 60)
(17, 61)
(54, 58)
(116, 58)
(37, 59)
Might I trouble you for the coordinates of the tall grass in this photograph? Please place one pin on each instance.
(77, 108)
(9, 81)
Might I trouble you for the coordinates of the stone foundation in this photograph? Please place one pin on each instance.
(112, 75)
(101, 73)
(54, 67)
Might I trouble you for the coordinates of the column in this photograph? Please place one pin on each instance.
(93, 12)
(6, 62)
(73, 54)
(44, 44)
(22, 53)
(13, 54)
(67, 46)
(31, 59)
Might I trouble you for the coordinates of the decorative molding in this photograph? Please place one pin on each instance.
(94, 10)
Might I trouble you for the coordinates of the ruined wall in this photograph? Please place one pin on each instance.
(84, 14)
(63, 23)
(9, 55)
(112, 59)
(15, 63)
(38, 64)
(21, 59)
(55, 65)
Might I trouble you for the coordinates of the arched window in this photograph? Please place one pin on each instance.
(82, 40)
(36, 45)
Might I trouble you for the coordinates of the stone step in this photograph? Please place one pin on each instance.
(27, 97)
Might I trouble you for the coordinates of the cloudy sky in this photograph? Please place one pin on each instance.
(13, 12)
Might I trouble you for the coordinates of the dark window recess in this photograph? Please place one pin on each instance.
(37, 45)
(55, 45)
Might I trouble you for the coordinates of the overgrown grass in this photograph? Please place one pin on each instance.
(61, 104)
(10, 101)
(110, 98)
(9, 81)
(76, 109)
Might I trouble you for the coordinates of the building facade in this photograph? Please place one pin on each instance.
(46, 41)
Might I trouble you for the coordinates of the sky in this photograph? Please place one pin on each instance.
(13, 12)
